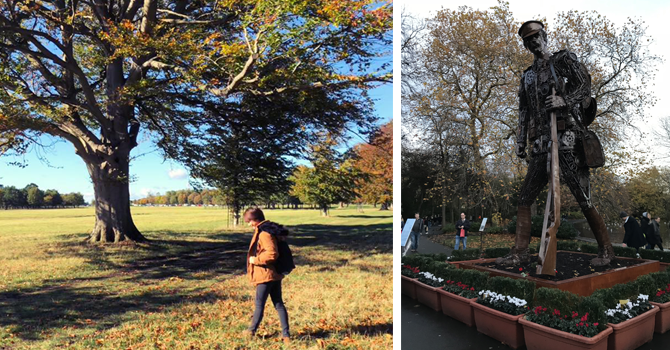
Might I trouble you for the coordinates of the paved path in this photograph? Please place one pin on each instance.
(426, 246)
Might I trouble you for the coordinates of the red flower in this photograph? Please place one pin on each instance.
(580, 323)
(557, 312)
(595, 324)
(473, 288)
(585, 317)
(521, 269)
(574, 314)
(587, 325)
(544, 309)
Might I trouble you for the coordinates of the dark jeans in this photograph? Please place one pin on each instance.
(415, 239)
(273, 289)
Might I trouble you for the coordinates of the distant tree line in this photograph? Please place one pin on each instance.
(211, 197)
(245, 176)
(32, 197)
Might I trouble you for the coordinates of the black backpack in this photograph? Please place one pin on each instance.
(284, 264)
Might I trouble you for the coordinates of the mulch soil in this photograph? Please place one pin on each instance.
(568, 265)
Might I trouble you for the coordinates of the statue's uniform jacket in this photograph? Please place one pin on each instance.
(535, 130)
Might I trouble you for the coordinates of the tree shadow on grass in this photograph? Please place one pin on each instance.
(67, 301)
(35, 310)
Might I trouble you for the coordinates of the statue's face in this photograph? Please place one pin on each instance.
(535, 44)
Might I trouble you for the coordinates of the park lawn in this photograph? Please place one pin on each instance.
(187, 289)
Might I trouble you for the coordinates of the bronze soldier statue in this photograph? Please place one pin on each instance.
(563, 74)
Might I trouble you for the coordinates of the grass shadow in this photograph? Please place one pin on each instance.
(62, 302)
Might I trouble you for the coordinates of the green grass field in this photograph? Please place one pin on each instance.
(187, 288)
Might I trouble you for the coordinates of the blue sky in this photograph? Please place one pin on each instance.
(66, 172)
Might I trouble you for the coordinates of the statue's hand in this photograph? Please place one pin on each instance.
(554, 102)
(521, 149)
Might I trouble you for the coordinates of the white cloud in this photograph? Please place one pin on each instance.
(177, 174)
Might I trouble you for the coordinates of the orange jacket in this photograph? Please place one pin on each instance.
(263, 269)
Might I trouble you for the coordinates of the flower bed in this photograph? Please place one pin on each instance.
(426, 290)
(562, 321)
(661, 299)
(539, 337)
(497, 315)
(408, 282)
(461, 288)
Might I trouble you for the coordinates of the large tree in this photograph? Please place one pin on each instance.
(96, 73)
(465, 78)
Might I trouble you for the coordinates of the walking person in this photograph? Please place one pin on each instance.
(648, 230)
(416, 232)
(633, 236)
(261, 258)
(655, 232)
(462, 227)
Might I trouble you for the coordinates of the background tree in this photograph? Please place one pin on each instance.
(375, 162)
(74, 199)
(14, 197)
(34, 197)
(97, 75)
(52, 198)
(329, 180)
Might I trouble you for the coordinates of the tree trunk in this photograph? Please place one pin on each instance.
(324, 210)
(113, 220)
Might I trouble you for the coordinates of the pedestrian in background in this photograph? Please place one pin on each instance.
(633, 236)
(416, 232)
(462, 227)
(656, 233)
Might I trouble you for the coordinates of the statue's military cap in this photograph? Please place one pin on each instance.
(529, 28)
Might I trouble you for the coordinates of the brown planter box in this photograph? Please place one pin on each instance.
(499, 325)
(457, 307)
(539, 337)
(428, 296)
(664, 266)
(662, 317)
(408, 286)
(630, 334)
(582, 285)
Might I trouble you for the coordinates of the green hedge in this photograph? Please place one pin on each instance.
(650, 254)
(589, 248)
(519, 288)
(467, 254)
(626, 252)
(449, 228)
(565, 231)
(473, 278)
(572, 246)
(495, 252)
(611, 296)
(425, 262)
(567, 302)
(495, 230)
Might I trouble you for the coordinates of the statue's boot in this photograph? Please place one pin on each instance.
(519, 252)
(605, 250)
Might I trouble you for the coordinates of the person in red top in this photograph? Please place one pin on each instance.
(262, 273)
